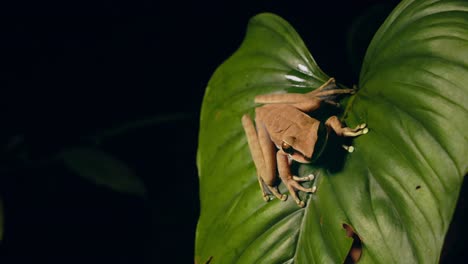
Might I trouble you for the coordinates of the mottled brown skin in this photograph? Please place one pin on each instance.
(284, 132)
(280, 126)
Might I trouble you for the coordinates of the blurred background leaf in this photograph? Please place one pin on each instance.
(102, 169)
(361, 31)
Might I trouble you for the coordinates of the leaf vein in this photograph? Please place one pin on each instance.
(402, 186)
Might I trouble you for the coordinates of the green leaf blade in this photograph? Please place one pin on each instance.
(226, 190)
(397, 190)
(415, 72)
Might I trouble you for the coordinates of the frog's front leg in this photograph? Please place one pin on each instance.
(334, 123)
(262, 150)
(291, 181)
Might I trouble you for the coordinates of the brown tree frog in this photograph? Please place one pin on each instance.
(285, 132)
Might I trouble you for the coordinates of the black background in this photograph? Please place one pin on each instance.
(69, 70)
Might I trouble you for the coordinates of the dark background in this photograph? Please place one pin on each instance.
(69, 71)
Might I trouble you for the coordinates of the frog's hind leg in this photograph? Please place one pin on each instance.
(263, 155)
(291, 181)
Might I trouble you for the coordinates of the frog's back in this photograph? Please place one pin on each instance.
(283, 120)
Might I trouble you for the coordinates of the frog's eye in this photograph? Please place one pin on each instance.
(287, 148)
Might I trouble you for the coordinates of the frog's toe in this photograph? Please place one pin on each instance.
(299, 187)
(284, 197)
(350, 149)
(277, 194)
(309, 177)
(293, 186)
(313, 189)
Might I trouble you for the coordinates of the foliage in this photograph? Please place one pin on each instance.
(398, 190)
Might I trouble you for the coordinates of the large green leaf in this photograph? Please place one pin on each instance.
(397, 190)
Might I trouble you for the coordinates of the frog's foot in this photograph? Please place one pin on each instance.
(354, 132)
(275, 192)
(309, 177)
(361, 127)
(269, 191)
(334, 123)
(293, 186)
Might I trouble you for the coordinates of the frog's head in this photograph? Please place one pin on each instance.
(309, 150)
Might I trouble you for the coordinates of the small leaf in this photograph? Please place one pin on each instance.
(129, 127)
(361, 32)
(102, 169)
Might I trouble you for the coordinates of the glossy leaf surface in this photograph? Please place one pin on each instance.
(397, 190)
